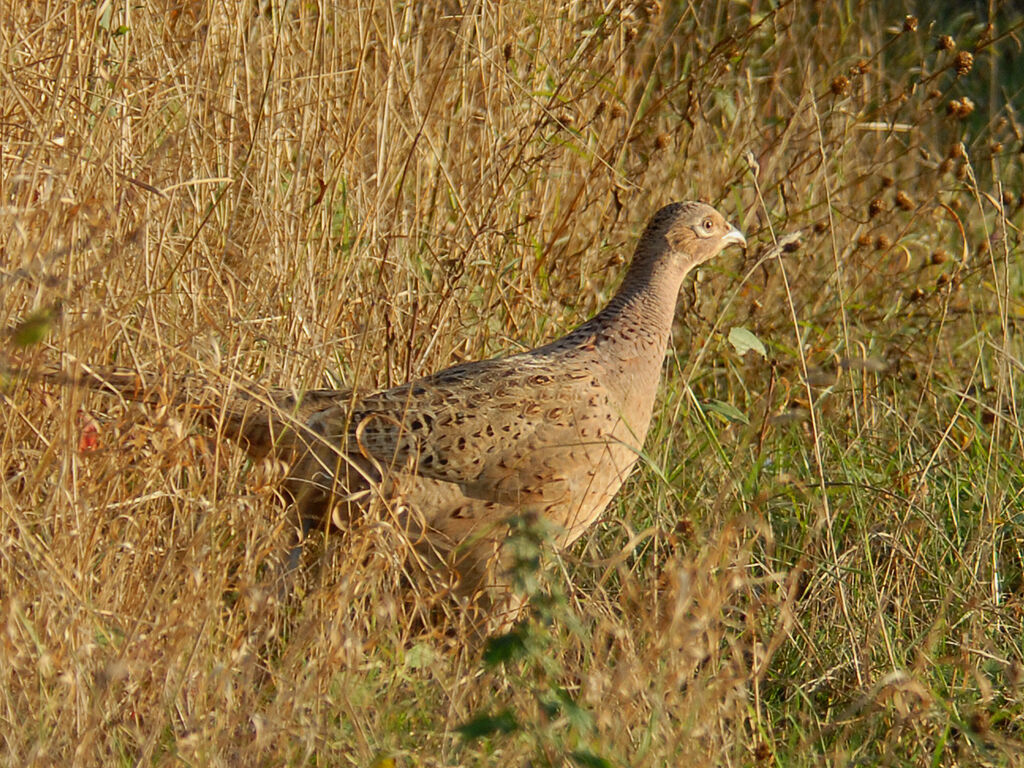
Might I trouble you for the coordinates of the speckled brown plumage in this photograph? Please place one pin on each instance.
(551, 433)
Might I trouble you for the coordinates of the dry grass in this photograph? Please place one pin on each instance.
(307, 194)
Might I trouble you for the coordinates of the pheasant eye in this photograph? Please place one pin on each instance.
(708, 224)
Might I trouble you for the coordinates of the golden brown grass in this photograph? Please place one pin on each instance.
(303, 194)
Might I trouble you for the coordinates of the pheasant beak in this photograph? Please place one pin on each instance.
(734, 237)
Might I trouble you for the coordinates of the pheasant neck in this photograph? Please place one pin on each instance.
(630, 335)
(645, 302)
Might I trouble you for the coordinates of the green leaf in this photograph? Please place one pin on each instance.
(560, 702)
(488, 725)
(589, 759)
(725, 102)
(550, 707)
(504, 648)
(34, 328)
(743, 341)
(727, 411)
(420, 656)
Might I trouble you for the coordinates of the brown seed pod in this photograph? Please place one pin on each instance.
(945, 43)
(876, 207)
(840, 85)
(963, 63)
(960, 108)
(763, 752)
(684, 529)
(904, 201)
(979, 722)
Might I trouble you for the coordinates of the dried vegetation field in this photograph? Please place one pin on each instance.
(819, 561)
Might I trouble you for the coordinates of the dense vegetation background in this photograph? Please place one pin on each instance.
(819, 561)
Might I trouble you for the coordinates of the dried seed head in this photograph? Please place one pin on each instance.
(945, 43)
(618, 111)
(876, 207)
(904, 201)
(840, 85)
(942, 280)
(507, 51)
(888, 182)
(910, 24)
(882, 243)
(934, 93)
(961, 172)
(956, 151)
(864, 241)
(662, 140)
(939, 256)
(820, 226)
(862, 67)
(915, 295)
(960, 108)
(963, 63)
(979, 722)
(946, 166)
(684, 529)
(763, 752)
(1007, 198)
(997, 147)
